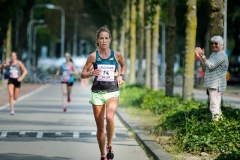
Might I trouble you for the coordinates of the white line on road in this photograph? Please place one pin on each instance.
(22, 132)
(25, 96)
(58, 133)
(3, 134)
(40, 135)
(75, 134)
(93, 133)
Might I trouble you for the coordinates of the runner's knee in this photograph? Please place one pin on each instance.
(100, 129)
(110, 120)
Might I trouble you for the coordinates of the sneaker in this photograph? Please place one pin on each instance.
(64, 109)
(110, 154)
(103, 158)
(69, 99)
(12, 113)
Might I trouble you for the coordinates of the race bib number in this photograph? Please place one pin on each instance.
(107, 74)
(65, 76)
(13, 73)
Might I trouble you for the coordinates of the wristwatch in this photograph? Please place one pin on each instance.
(122, 75)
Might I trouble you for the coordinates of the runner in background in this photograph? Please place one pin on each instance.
(14, 68)
(67, 69)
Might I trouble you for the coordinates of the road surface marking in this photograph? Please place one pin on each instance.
(75, 134)
(22, 132)
(3, 134)
(40, 135)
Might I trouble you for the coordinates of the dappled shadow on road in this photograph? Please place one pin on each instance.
(15, 156)
(93, 140)
(61, 123)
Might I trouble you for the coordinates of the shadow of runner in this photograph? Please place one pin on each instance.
(14, 156)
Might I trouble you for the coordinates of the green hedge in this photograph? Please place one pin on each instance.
(190, 120)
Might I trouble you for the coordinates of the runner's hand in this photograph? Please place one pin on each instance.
(96, 72)
(120, 80)
(5, 64)
(19, 79)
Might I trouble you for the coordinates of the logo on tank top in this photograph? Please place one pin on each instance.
(98, 59)
(111, 59)
(13, 72)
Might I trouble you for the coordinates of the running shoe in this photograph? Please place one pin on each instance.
(12, 113)
(103, 158)
(69, 99)
(64, 108)
(110, 154)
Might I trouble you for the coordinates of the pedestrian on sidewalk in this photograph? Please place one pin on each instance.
(14, 68)
(67, 69)
(105, 90)
(215, 67)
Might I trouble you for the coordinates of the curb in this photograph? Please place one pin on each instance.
(154, 149)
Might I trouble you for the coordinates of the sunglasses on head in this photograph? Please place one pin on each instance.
(214, 43)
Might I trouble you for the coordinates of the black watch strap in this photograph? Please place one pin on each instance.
(122, 75)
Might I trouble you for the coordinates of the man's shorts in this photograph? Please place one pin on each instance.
(68, 83)
(100, 98)
(15, 82)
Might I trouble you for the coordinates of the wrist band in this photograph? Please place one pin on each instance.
(122, 75)
(203, 57)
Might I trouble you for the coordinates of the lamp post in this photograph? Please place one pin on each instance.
(29, 37)
(75, 34)
(51, 6)
(163, 50)
(34, 41)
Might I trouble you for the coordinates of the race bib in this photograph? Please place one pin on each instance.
(65, 76)
(107, 74)
(13, 73)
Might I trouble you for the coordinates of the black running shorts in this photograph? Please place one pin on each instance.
(68, 83)
(15, 82)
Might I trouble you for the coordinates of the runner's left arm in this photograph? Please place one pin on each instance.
(24, 70)
(123, 67)
(121, 62)
(75, 71)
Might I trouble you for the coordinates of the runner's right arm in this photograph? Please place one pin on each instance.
(3, 65)
(87, 70)
(58, 71)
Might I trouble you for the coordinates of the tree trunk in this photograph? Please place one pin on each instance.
(190, 45)
(216, 19)
(9, 39)
(171, 34)
(155, 44)
(114, 34)
(148, 55)
(23, 26)
(140, 41)
(122, 33)
(126, 43)
(133, 42)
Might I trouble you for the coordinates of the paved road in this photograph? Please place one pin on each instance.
(201, 95)
(40, 130)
